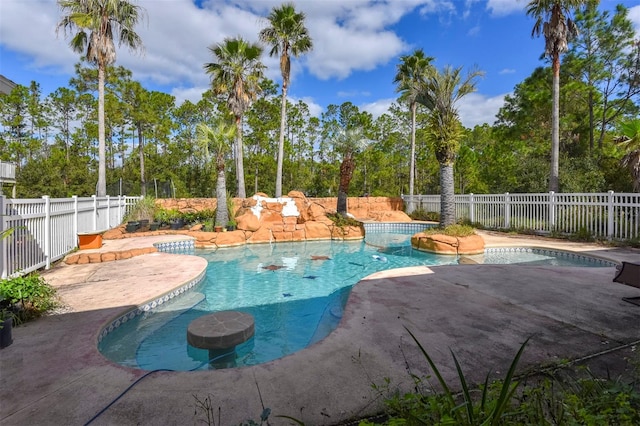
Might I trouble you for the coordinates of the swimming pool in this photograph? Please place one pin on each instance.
(295, 291)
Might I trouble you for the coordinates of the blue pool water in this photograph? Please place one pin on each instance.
(295, 303)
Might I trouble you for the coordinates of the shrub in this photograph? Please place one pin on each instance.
(28, 296)
(452, 230)
(340, 220)
(144, 209)
(421, 214)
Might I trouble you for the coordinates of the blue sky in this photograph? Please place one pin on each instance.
(357, 45)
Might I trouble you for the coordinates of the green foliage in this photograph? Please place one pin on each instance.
(579, 400)
(491, 403)
(340, 220)
(144, 209)
(28, 296)
(456, 230)
(421, 214)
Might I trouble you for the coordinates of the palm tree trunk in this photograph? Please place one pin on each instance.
(346, 173)
(102, 156)
(412, 162)
(283, 121)
(447, 196)
(555, 125)
(143, 183)
(222, 213)
(239, 158)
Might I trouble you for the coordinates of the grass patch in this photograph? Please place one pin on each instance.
(456, 230)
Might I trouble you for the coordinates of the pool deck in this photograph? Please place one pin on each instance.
(53, 374)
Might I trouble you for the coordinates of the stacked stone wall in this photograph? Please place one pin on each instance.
(364, 208)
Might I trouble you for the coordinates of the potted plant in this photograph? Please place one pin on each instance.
(132, 226)
(175, 219)
(231, 225)
(161, 216)
(7, 319)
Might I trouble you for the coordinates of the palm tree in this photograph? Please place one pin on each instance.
(286, 35)
(412, 72)
(236, 74)
(630, 142)
(439, 95)
(553, 21)
(348, 142)
(217, 142)
(97, 22)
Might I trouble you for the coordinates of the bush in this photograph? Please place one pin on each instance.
(452, 230)
(144, 209)
(421, 214)
(28, 296)
(340, 220)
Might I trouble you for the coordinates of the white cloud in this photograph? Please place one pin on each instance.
(474, 31)
(505, 7)
(477, 109)
(379, 107)
(507, 71)
(314, 109)
(192, 94)
(634, 16)
(352, 93)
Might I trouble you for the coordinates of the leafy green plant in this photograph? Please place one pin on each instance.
(340, 220)
(208, 225)
(446, 407)
(422, 214)
(579, 399)
(144, 209)
(27, 296)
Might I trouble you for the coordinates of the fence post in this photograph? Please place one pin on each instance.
(472, 210)
(95, 213)
(507, 210)
(3, 241)
(119, 218)
(75, 218)
(47, 231)
(552, 211)
(610, 215)
(108, 214)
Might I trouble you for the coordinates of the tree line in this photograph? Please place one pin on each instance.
(280, 146)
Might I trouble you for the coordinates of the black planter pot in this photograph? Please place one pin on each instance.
(6, 327)
(132, 226)
(177, 224)
(153, 226)
(231, 227)
(144, 223)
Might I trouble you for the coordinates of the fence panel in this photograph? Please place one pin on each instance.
(600, 215)
(44, 230)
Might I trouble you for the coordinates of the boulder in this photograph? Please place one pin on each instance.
(262, 235)
(317, 231)
(230, 239)
(114, 233)
(445, 244)
(297, 194)
(247, 221)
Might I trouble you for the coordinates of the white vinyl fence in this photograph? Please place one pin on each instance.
(37, 232)
(601, 215)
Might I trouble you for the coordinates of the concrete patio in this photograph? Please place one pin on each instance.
(53, 373)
